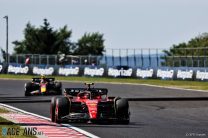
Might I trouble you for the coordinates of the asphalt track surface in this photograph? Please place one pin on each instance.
(149, 119)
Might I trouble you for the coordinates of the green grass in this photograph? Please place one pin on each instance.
(3, 110)
(198, 85)
(10, 125)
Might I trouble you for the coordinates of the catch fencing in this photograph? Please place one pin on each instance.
(144, 58)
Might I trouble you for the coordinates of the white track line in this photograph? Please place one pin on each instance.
(166, 87)
(67, 125)
(151, 85)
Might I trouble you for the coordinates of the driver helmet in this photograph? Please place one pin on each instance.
(86, 96)
(43, 77)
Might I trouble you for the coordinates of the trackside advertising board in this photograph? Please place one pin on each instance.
(120, 71)
(180, 73)
(68, 71)
(43, 70)
(144, 73)
(1, 68)
(94, 71)
(18, 69)
(185, 74)
(165, 74)
(201, 75)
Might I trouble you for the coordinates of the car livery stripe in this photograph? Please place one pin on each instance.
(44, 125)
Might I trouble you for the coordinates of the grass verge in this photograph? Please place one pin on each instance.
(11, 128)
(2, 110)
(197, 85)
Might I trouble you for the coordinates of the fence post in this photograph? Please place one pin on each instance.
(89, 58)
(173, 61)
(113, 57)
(142, 57)
(157, 57)
(39, 59)
(204, 57)
(198, 58)
(127, 57)
(47, 59)
(135, 57)
(149, 59)
(55, 56)
(106, 60)
(16, 59)
(192, 58)
(186, 57)
(31, 59)
(205, 60)
(8, 58)
(119, 52)
(80, 60)
(97, 60)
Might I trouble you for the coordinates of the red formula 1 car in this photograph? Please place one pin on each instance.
(90, 105)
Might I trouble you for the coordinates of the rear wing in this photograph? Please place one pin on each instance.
(47, 79)
(75, 91)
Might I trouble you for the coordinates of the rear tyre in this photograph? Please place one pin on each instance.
(62, 108)
(52, 108)
(122, 111)
(59, 92)
(28, 88)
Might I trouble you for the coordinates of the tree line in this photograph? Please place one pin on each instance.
(46, 40)
(195, 47)
(186, 54)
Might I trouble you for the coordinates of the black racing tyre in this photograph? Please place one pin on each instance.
(58, 87)
(62, 108)
(28, 88)
(52, 108)
(115, 99)
(59, 92)
(122, 110)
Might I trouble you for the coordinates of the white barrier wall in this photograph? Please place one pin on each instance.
(120, 73)
(68, 71)
(188, 74)
(43, 71)
(201, 75)
(147, 73)
(1, 68)
(165, 74)
(93, 71)
(18, 69)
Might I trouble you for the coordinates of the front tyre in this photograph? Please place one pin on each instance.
(62, 108)
(52, 108)
(28, 88)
